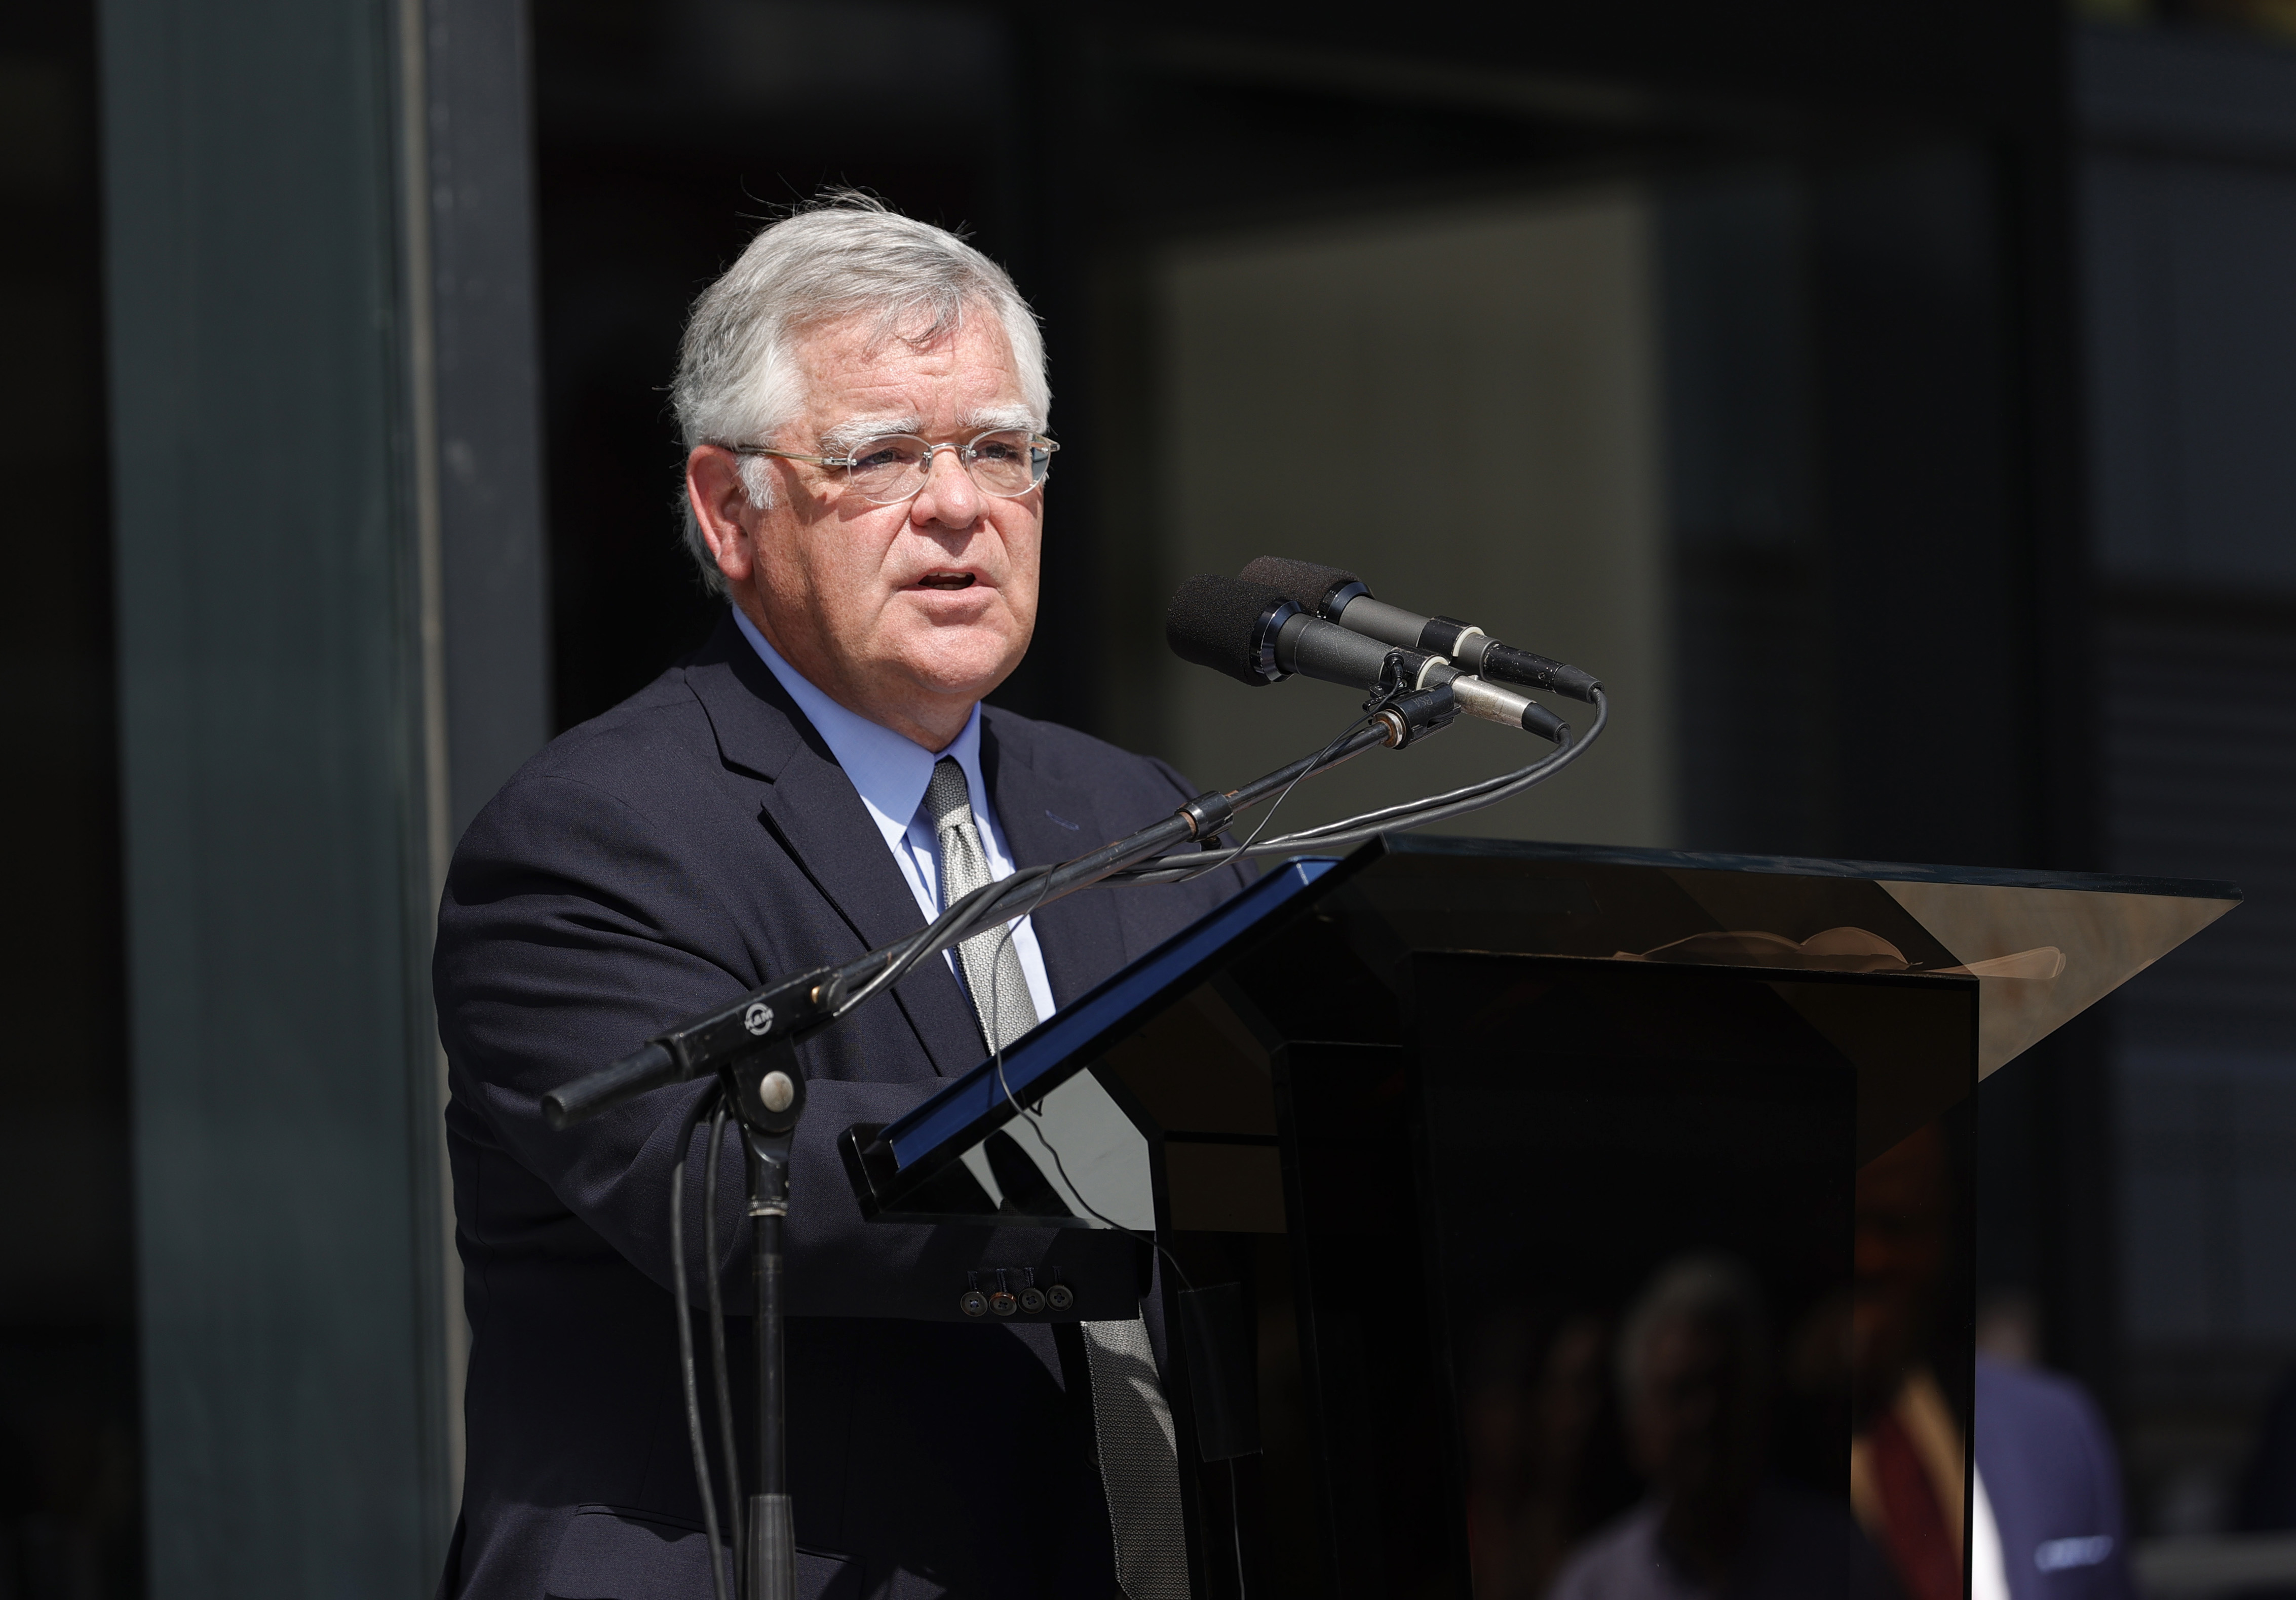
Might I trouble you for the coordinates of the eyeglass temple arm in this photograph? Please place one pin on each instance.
(790, 455)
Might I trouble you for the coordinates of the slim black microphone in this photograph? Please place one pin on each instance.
(1338, 595)
(1256, 633)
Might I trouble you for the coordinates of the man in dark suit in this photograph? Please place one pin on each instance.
(2048, 1515)
(863, 399)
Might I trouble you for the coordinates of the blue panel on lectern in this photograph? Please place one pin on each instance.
(1063, 1043)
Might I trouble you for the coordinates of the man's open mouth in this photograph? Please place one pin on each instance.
(945, 580)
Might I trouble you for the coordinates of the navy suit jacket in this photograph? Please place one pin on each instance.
(686, 846)
(2055, 1484)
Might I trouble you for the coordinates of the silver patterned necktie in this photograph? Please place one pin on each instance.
(1132, 1423)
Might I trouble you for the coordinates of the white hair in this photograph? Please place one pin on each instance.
(848, 255)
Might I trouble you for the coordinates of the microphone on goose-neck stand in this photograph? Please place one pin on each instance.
(1339, 596)
(1257, 634)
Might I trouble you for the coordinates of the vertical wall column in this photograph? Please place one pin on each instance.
(495, 616)
(329, 613)
(471, 207)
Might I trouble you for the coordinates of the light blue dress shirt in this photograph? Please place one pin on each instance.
(891, 772)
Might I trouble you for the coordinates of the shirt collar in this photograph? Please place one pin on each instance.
(889, 771)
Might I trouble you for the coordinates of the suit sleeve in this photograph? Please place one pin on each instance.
(570, 933)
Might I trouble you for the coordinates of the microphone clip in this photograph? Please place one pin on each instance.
(1409, 711)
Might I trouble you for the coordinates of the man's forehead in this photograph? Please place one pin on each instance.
(861, 350)
(917, 391)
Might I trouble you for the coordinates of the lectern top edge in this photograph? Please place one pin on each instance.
(1798, 866)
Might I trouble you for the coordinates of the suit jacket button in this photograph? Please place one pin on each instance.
(1032, 1300)
(1002, 1303)
(1058, 1297)
(973, 1303)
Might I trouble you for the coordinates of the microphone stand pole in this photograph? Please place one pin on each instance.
(767, 1093)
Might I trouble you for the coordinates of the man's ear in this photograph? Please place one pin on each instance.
(715, 493)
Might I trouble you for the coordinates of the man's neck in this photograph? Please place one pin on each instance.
(931, 722)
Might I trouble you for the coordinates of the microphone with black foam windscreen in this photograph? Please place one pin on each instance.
(1257, 634)
(1339, 596)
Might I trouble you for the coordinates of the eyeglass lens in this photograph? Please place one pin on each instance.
(895, 467)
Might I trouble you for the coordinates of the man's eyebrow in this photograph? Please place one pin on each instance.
(841, 439)
(997, 418)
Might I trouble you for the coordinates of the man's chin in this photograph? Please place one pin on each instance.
(961, 675)
(951, 652)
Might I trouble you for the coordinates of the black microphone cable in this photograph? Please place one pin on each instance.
(1472, 797)
(954, 920)
(735, 1505)
(693, 1120)
(950, 926)
(1459, 802)
(1394, 819)
(946, 929)
(1324, 762)
(1035, 1120)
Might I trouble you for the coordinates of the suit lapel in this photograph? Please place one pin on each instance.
(810, 805)
(1081, 940)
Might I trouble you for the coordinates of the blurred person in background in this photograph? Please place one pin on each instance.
(2045, 1513)
(2045, 1517)
(1694, 1380)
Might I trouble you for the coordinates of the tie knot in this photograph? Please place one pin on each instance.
(949, 799)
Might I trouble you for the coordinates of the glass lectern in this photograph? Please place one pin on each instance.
(1451, 1106)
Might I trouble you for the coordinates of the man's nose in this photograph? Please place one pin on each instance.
(950, 497)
